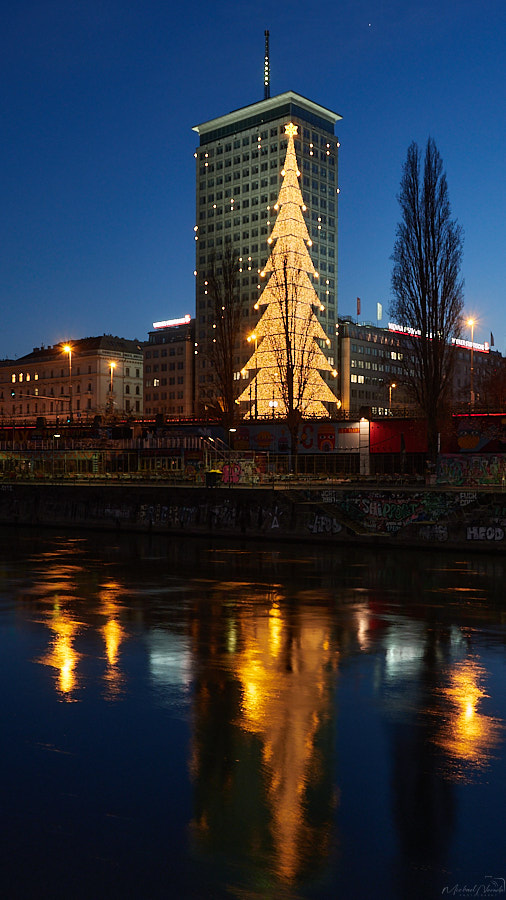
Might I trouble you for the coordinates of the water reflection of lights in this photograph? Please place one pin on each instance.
(404, 651)
(275, 629)
(62, 655)
(113, 634)
(466, 734)
(231, 636)
(169, 660)
(285, 671)
(362, 617)
(59, 581)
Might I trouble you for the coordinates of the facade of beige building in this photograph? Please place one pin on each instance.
(74, 382)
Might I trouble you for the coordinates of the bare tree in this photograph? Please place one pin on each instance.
(289, 358)
(426, 282)
(295, 352)
(223, 290)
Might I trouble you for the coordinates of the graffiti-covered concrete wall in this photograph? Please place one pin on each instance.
(468, 469)
(418, 517)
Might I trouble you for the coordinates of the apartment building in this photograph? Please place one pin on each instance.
(74, 381)
(238, 175)
(169, 368)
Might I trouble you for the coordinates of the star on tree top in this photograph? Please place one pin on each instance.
(291, 129)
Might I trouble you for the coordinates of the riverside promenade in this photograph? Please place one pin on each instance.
(352, 511)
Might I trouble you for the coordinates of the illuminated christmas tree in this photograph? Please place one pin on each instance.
(288, 355)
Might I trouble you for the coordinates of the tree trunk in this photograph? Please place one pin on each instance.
(432, 439)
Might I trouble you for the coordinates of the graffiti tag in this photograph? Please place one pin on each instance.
(324, 525)
(434, 533)
(485, 533)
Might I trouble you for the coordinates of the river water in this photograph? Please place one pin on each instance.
(192, 720)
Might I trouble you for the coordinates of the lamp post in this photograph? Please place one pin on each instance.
(470, 322)
(392, 386)
(112, 366)
(68, 349)
(253, 337)
(231, 431)
(55, 438)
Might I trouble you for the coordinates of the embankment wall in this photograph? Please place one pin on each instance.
(473, 519)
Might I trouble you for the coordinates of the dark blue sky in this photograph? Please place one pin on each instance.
(97, 177)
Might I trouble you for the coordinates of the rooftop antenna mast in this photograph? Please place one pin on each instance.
(267, 69)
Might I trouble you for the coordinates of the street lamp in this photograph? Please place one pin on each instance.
(392, 386)
(273, 405)
(68, 349)
(231, 431)
(254, 337)
(112, 366)
(470, 322)
(55, 438)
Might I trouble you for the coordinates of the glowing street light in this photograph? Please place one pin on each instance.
(392, 386)
(68, 349)
(273, 405)
(470, 322)
(112, 366)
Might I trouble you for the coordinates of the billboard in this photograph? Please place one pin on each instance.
(397, 435)
(314, 437)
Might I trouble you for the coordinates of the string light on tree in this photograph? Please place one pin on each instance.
(288, 357)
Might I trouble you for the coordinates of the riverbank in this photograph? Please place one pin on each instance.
(396, 515)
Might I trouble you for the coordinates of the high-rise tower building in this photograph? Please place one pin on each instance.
(238, 167)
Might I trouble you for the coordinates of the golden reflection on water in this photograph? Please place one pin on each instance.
(65, 627)
(114, 635)
(285, 670)
(467, 735)
(62, 655)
